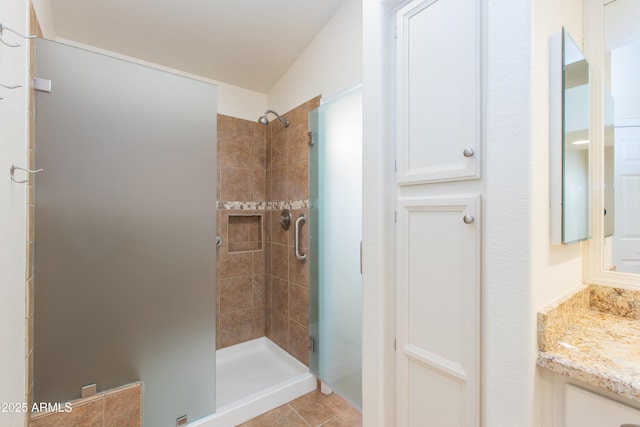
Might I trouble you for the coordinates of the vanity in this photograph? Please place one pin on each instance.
(589, 345)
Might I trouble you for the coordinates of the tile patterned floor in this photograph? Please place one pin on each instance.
(313, 409)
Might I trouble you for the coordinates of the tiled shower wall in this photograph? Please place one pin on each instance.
(241, 193)
(287, 279)
(262, 288)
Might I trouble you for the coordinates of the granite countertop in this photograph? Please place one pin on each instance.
(594, 336)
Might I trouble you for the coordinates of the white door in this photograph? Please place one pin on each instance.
(438, 141)
(438, 283)
(626, 239)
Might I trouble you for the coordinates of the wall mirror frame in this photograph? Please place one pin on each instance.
(594, 251)
(569, 140)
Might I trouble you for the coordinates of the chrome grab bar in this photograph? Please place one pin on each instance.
(301, 220)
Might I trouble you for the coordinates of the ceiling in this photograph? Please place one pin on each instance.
(246, 43)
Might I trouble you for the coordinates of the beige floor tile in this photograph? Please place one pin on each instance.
(348, 418)
(282, 416)
(317, 408)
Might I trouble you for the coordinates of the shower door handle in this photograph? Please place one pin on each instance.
(301, 220)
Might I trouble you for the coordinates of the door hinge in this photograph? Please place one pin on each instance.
(395, 344)
(310, 142)
(395, 215)
(312, 345)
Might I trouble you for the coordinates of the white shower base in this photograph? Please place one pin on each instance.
(252, 378)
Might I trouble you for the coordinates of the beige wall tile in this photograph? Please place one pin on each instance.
(279, 150)
(259, 289)
(233, 264)
(268, 290)
(298, 181)
(279, 234)
(279, 184)
(236, 294)
(299, 304)
(299, 342)
(267, 258)
(123, 408)
(237, 184)
(298, 149)
(267, 324)
(280, 329)
(235, 152)
(280, 261)
(259, 185)
(258, 262)
(259, 153)
(235, 327)
(280, 296)
(258, 321)
(238, 228)
(245, 127)
(298, 270)
(85, 414)
(227, 126)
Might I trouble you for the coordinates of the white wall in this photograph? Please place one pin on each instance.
(232, 100)
(330, 63)
(523, 272)
(377, 231)
(13, 137)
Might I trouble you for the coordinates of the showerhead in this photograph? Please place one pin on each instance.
(265, 121)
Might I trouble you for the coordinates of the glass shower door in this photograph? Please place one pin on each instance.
(125, 233)
(335, 233)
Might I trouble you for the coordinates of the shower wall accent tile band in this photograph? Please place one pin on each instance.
(254, 206)
(263, 291)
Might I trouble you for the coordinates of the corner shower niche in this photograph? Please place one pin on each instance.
(244, 233)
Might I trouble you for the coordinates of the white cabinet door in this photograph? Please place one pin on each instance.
(438, 91)
(586, 409)
(438, 315)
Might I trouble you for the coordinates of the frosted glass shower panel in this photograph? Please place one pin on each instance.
(335, 188)
(125, 224)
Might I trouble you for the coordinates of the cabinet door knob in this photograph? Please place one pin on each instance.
(468, 152)
(468, 219)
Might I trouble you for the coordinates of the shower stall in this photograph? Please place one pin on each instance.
(125, 253)
(160, 258)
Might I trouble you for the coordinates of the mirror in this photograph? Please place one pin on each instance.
(621, 237)
(569, 139)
